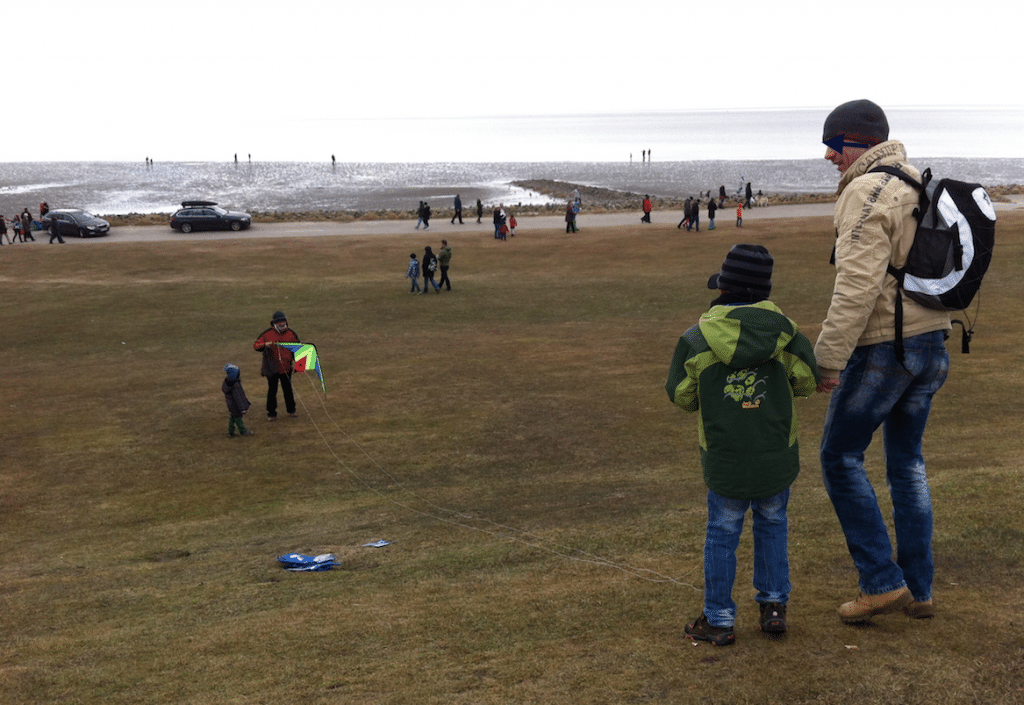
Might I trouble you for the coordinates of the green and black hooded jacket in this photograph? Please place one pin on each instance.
(741, 367)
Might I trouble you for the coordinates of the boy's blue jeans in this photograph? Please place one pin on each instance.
(876, 390)
(771, 553)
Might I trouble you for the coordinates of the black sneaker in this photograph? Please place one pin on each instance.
(773, 618)
(701, 630)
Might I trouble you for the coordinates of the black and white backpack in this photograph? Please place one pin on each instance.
(953, 243)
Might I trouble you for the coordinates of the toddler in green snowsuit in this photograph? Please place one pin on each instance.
(236, 400)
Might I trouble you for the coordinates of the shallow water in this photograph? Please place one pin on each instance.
(124, 187)
(394, 164)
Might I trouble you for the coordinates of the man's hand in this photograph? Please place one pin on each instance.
(827, 384)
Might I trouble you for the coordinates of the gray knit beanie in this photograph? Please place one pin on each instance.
(747, 269)
(859, 120)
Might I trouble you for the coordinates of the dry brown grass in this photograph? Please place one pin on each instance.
(505, 436)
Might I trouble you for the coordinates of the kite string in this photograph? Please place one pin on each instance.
(500, 530)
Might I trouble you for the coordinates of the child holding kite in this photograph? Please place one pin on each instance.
(740, 368)
(237, 402)
(278, 363)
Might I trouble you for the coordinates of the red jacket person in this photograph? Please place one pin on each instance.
(278, 363)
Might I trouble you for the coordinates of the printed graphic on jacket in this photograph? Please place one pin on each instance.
(743, 385)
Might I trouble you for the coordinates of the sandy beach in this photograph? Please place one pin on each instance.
(442, 226)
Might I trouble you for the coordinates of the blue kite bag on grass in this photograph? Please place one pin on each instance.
(300, 563)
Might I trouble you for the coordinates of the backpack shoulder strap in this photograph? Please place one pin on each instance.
(920, 186)
(900, 174)
(898, 274)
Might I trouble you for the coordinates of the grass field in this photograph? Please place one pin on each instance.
(512, 438)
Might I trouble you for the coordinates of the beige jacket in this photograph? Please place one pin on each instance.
(874, 226)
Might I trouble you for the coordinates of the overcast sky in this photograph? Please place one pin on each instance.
(112, 79)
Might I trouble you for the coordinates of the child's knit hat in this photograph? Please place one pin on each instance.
(747, 269)
(231, 371)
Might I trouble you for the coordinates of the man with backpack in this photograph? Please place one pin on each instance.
(857, 356)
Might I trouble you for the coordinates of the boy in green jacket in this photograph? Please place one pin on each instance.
(740, 368)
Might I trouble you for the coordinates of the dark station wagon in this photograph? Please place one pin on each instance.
(207, 215)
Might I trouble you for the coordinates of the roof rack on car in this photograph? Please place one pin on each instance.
(193, 204)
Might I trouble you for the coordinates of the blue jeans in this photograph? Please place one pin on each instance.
(771, 553)
(876, 390)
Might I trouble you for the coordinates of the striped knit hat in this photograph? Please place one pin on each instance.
(747, 269)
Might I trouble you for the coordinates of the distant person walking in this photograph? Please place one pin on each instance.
(695, 214)
(739, 214)
(686, 214)
(426, 216)
(479, 211)
(444, 261)
(721, 196)
(499, 220)
(458, 210)
(570, 217)
(55, 231)
(419, 215)
(750, 195)
(647, 210)
(712, 207)
(429, 267)
(3, 231)
(26, 226)
(413, 272)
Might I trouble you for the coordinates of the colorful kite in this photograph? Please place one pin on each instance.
(306, 359)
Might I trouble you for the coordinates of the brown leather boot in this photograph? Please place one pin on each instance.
(867, 606)
(920, 610)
